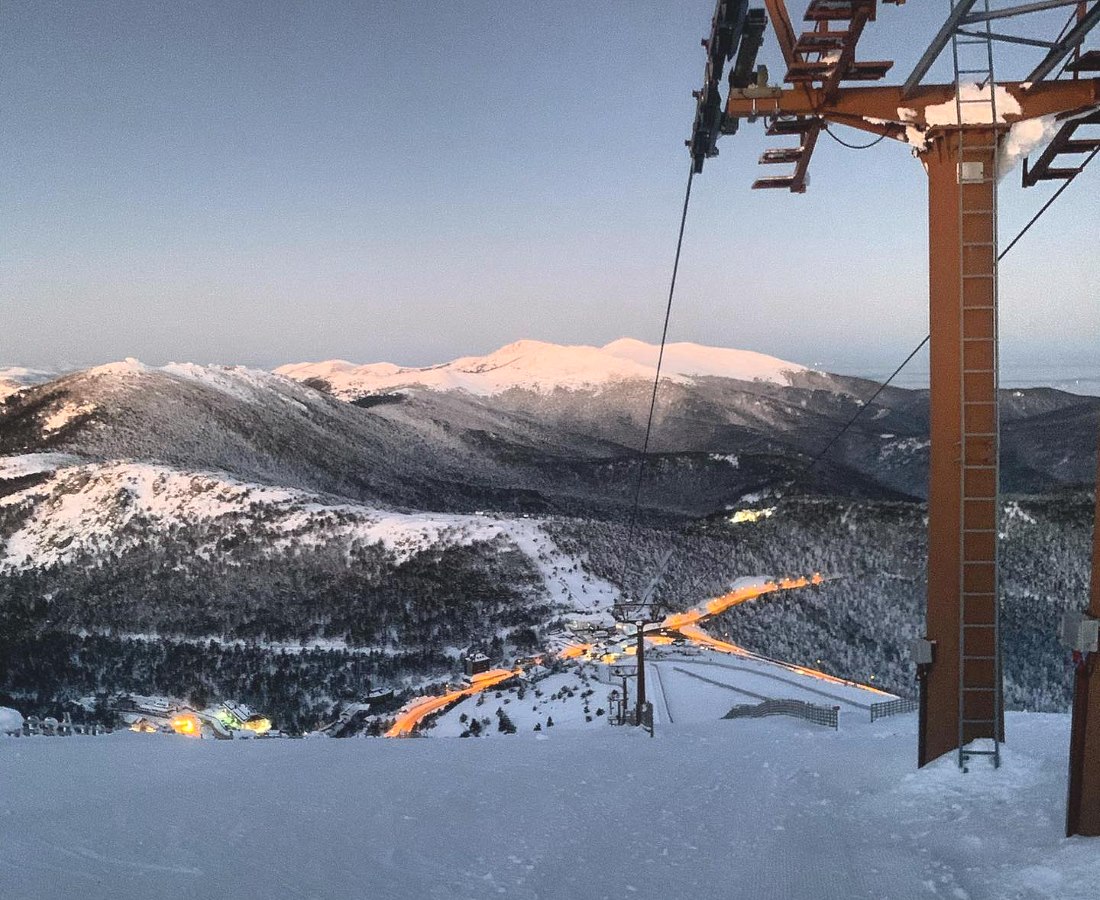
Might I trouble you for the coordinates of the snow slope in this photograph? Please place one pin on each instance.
(769, 809)
(11, 722)
(86, 507)
(686, 685)
(544, 367)
(685, 358)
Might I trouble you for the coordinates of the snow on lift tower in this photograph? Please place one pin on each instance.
(957, 131)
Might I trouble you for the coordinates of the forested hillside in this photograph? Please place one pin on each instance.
(859, 622)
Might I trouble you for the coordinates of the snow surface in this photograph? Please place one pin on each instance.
(126, 367)
(88, 505)
(543, 367)
(24, 375)
(771, 809)
(973, 112)
(686, 684)
(22, 464)
(11, 722)
(694, 359)
(61, 416)
(903, 447)
(1023, 138)
(239, 382)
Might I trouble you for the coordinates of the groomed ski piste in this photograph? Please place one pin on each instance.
(685, 684)
(678, 638)
(707, 808)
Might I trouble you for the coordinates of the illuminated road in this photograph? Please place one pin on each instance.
(735, 597)
(686, 625)
(409, 719)
(677, 626)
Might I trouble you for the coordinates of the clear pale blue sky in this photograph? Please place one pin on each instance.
(263, 182)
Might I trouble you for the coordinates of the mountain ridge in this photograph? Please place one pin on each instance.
(571, 448)
(544, 367)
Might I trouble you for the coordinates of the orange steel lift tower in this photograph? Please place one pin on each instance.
(956, 131)
(1083, 801)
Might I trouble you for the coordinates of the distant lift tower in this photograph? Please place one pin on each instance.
(956, 130)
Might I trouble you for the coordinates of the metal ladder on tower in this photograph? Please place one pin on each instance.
(979, 616)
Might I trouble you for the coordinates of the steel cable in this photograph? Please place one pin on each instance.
(656, 384)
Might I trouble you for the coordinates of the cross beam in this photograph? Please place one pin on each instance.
(885, 103)
(1067, 45)
(934, 50)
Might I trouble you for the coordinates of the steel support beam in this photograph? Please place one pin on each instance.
(1094, 609)
(961, 688)
(882, 129)
(1008, 38)
(1014, 11)
(1067, 45)
(784, 30)
(936, 47)
(884, 102)
(962, 15)
(831, 86)
(798, 185)
(1083, 798)
(962, 491)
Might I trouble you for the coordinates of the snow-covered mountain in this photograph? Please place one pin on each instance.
(544, 367)
(521, 450)
(555, 445)
(252, 424)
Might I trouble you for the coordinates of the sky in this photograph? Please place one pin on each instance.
(276, 181)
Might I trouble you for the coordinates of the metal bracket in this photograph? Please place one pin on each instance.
(735, 31)
(1080, 632)
(922, 651)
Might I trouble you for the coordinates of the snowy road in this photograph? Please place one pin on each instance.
(410, 717)
(756, 809)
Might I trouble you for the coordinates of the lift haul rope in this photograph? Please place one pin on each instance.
(656, 381)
